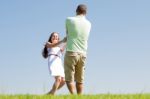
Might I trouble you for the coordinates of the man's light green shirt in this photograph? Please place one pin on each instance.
(78, 29)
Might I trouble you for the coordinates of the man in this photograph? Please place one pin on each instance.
(77, 31)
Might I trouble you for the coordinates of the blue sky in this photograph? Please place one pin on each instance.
(119, 45)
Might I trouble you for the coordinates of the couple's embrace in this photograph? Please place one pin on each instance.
(76, 41)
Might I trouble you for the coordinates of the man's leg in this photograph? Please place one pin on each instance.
(71, 87)
(79, 87)
(69, 65)
(79, 74)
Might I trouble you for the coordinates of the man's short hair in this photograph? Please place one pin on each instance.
(81, 9)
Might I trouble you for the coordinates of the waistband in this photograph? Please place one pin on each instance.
(54, 55)
(69, 53)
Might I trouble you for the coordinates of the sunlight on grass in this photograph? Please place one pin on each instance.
(99, 96)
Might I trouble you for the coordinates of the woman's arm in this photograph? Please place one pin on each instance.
(49, 45)
(63, 47)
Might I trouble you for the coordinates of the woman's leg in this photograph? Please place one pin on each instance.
(61, 83)
(55, 85)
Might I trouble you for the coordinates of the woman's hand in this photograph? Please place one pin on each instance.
(48, 45)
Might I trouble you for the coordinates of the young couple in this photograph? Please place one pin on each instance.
(76, 40)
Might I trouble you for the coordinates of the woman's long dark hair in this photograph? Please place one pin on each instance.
(45, 52)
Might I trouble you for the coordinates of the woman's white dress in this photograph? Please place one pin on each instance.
(54, 61)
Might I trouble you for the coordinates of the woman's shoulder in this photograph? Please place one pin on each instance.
(55, 48)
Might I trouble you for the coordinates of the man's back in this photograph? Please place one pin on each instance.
(78, 29)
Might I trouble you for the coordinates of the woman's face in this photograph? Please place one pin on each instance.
(55, 38)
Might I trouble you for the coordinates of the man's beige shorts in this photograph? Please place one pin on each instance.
(74, 64)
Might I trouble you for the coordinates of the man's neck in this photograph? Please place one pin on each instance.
(80, 14)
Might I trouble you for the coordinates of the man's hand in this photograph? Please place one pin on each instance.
(64, 40)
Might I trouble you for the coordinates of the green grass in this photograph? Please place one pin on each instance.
(99, 96)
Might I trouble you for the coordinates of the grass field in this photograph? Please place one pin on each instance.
(99, 96)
